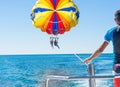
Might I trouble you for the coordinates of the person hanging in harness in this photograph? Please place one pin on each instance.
(52, 41)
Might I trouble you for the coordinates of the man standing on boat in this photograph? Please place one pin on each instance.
(112, 35)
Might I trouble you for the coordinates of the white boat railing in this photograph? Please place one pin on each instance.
(91, 77)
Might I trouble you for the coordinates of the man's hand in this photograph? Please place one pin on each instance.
(89, 59)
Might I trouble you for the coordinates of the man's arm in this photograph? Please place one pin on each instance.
(97, 52)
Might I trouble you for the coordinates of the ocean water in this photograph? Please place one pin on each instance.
(31, 70)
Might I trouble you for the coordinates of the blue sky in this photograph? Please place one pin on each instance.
(19, 36)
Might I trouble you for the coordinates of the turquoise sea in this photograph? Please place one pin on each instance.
(31, 70)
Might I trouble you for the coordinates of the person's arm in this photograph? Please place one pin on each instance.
(97, 52)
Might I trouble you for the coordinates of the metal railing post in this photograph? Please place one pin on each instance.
(91, 72)
(46, 82)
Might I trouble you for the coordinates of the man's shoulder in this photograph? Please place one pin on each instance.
(109, 34)
(112, 29)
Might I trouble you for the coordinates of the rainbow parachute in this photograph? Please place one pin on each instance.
(55, 16)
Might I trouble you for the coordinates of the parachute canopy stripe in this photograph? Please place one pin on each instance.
(41, 10)
(55, 24)
(77, 14)
(68, 9)
(49, 26)
(54, 3)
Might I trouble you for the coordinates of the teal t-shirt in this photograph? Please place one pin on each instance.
(114, 35)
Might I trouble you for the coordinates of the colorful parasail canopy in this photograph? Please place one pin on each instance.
(55, 16)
